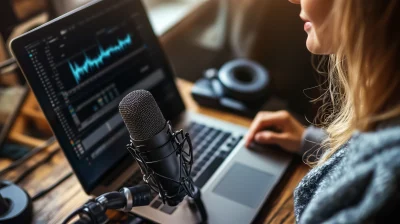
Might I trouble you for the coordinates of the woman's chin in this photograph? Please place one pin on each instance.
(315, 47)
(312, 45)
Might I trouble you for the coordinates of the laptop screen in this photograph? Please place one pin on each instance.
(81, 65)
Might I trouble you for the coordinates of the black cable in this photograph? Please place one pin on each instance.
(38, 164)
(47, 190)
(202, 210)
(198, 202)
(29, 155)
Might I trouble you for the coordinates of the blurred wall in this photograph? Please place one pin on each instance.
(281, 47)
(268, 31)
(26, 8)
(63, 6)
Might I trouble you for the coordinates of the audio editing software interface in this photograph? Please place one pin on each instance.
(86, 69)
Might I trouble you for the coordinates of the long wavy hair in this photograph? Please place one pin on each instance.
(363, 87)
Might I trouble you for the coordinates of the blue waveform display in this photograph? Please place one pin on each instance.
(80, 70)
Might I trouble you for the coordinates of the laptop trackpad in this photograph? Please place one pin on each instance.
(245, 185)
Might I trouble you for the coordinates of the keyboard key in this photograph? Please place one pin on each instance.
(207, 157)
(200, 151)
(205, 145)
(202, 163)
(156, 204)
(208, 172)
(200, 127)
(210, 153)
(168, 209)
(208, 141)
(216, 133)
(223, 154)
(200, 140)
(233, 144)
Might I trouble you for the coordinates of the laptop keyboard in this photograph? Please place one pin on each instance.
(211, 147)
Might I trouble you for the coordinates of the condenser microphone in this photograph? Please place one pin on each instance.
(156, 148)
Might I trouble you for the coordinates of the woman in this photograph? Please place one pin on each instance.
(356, 177)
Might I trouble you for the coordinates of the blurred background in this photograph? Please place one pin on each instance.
(196, 35)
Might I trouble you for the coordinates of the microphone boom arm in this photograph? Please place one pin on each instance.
(94, 211)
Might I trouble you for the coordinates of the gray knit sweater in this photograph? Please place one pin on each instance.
(360, 183)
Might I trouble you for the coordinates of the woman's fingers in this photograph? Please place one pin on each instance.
(290, 132)
(256, 125)
(270, 138)
(264, 120)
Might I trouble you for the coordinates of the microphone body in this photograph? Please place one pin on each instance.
(156, 148)
(159, 154)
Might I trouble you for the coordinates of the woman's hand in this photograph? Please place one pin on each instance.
(289, 131)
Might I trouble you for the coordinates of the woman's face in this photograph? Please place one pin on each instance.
(315, 14)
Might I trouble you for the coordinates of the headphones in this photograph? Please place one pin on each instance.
(240, 85)
(15, 204)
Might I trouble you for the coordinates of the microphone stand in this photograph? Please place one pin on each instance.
(94, 211)
(197, 202)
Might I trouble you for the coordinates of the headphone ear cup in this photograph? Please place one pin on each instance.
(244, 80)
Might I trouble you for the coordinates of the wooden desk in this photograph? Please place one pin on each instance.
(56, 205)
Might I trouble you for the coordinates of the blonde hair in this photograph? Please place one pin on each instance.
(364, 78)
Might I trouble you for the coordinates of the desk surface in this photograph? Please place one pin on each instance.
(68, 196)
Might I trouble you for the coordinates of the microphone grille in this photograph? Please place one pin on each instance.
(141, 115)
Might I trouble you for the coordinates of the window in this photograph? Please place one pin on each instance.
(164, 14)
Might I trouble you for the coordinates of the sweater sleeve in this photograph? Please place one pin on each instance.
(311, 141)
(367, 190)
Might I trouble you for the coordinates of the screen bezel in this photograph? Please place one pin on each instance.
(18, 44)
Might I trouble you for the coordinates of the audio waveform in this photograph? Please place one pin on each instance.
(79, 70)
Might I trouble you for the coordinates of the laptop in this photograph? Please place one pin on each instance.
(82, 64)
